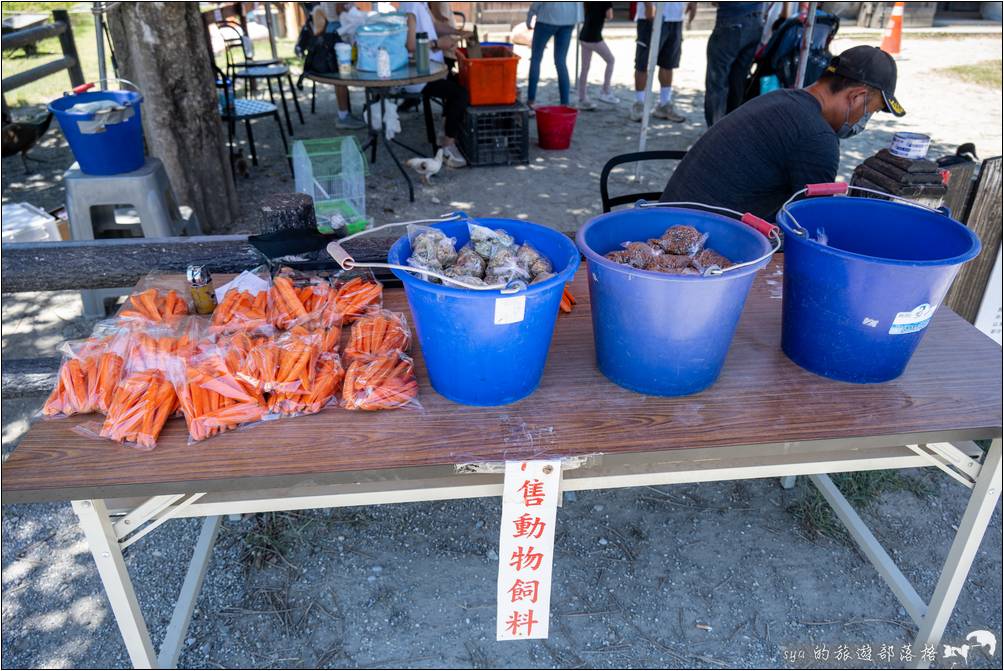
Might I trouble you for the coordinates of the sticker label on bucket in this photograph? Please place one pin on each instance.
(914, 320)
(509, 310)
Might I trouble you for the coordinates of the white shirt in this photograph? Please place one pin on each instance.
(671, 11)
(424, 24)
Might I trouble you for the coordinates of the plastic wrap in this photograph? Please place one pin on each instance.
(158, 298)
(431, 247)
(243, 308)
(382, 382)
(487, 242)
(468, 264)
(88, 375)
(212, 394)
(528, 256)
(669, 263)
(682, 240)
(709, 257)
(355, 295)
(322, 383)
(505, 267)
(378, 332)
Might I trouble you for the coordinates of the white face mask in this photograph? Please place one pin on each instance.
(847, 130)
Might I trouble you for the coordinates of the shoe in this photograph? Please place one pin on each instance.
(350, 123)
(609, 98)
(586, 105)
(668, 112)
(637, 110)
(530, 107)
(453, 157)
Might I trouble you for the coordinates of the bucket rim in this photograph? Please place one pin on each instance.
(560, 277)
(593, 256)
(557, 110)
(136, 99)
(974, 241)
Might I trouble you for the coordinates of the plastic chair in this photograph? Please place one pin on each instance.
(635, 157)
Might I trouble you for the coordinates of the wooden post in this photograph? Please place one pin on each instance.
(69, 46)
(161, 47)
(984, 219)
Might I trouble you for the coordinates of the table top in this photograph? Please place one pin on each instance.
(405, 76)
(950, 391)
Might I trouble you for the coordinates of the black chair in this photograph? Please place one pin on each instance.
(246, 110)
(638, 156)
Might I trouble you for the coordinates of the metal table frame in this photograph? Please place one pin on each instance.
(111, 525)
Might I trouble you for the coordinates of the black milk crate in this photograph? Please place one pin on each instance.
(496, 135)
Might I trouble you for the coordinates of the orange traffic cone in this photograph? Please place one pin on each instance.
(893, 34)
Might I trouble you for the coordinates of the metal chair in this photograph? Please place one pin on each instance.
(635, 157)
(246, 110)
(250, 71)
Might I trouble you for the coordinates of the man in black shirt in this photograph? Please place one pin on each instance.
(757, 156)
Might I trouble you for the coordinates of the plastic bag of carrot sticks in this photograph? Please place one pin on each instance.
(89, 373)
(380, 382)
(213, 397)
(243, 304)
(304, 300)
(145, 398)
(157, 298)
(378, 332)
(318, 389)
(356, 292)
(282, 364)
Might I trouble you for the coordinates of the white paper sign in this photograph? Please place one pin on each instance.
(526, 549)
(510, 310)
(246, 281)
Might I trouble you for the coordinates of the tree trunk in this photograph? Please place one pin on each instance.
(161, 47)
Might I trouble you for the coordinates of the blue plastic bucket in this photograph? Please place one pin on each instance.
(484, 347)
(102, 149)
(855, 308)
(659, 334)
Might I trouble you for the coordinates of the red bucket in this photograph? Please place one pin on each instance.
(555, 124)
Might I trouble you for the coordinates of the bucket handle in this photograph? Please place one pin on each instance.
(766, 229)
(839, 189)
(346, 261)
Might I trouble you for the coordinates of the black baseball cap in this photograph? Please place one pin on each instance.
(873, 67)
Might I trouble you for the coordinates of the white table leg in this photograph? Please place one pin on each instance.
(100, 535)
(788, 481)
(982, 503)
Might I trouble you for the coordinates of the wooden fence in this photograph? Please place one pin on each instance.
(19, 39)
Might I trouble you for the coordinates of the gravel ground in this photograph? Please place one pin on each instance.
(636, 569)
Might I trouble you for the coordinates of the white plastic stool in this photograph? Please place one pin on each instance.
(91, 201)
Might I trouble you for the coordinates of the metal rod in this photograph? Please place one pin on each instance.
(99, 35)
(803, 52)
(653, 56)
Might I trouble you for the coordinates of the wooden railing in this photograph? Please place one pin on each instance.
(70, 61)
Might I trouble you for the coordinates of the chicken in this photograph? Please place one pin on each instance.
(21, 136)
(427, 167)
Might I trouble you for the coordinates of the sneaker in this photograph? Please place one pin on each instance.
(350, 123)
(668, 112)
(637, 110)
(586, 105)
(453, 157)
(609, 98)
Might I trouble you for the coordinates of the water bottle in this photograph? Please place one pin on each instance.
(422, 53)
(383, 64)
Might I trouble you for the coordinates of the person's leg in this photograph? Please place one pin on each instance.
(669, 60)
(738, 73)
(608, 57)
(562, 40)
(723, 46)
(542, 32)
(587, 56)
(643, 35)
(455, 102)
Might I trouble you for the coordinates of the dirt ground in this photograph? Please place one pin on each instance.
(636, 570)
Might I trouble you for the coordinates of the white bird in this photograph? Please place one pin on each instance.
(427, 167)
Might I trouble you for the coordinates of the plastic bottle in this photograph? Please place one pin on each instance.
(422, 53)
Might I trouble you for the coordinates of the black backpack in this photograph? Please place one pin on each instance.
(321, 53)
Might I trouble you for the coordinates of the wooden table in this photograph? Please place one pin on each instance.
(377, 90)
(764, 417)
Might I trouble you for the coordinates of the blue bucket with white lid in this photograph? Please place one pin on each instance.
(482, 347)
(108, 139)
(863, 278)
(661, 334)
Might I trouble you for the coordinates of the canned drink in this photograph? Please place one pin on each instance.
(201, 287)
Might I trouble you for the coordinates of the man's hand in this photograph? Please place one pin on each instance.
(610, 14)
(446, 42)
(649, 10)
(691, 12)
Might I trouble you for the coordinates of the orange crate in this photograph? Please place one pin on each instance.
(491, 79)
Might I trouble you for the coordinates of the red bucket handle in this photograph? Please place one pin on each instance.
(826, 189)
(766, 228)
